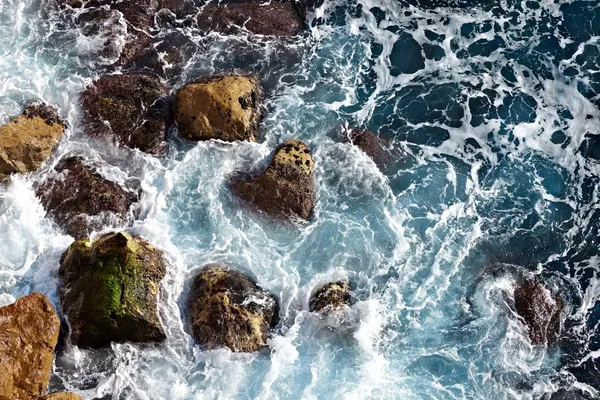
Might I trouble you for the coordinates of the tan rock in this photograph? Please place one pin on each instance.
(224, 107)
(330, 297)
(60, 396)
(28, 335)
(28, 140)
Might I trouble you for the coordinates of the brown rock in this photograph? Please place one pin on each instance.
(258, 17)
(129, 107)
(28, 335)
(28, 140)
(539, 310)
(383, 153)
(330, 297)
(227, 309)
(81, 200)
(224, 107)
(60, 396)
(285, 189)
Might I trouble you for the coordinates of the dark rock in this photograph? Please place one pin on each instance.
(224, 107)
(303, 7)
(131, 108)
(228, 309)
(28, 335)
(80, 200)
(330, 297)
(163, 57)
(378, 149)
(539, 310)
(285, 189)
(108, 290)
(258, 17)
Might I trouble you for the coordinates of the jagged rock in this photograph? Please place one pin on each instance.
(131, 108)
(109, 289)
(228, 309)
(330, 297)
(60, 396)
(539, 310)
(258, 17)
(224, 107)
(28, 335)
(80, 200)
(28, 140)
(285, 189)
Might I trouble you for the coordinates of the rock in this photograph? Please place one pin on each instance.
(372, 145)
(131, 108)
(80, 200)
(28, 335)
(60, 396)
(163, 57)
(109, 290)
(539, 310)
(223, 107)
(258, 17)
(306, 6)
(28, 140)
(330, 297)
(228, 309)
(285, 189)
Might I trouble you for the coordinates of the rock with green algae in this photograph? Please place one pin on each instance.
(330, 297)
(109, 289)
(285, 188)
(227, 309)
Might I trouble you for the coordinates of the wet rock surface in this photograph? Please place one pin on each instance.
(80, 200)
(539, 310)
(109, 290)
(28, 140)
(285, 189)
(227, 309)
(330, 297)
(60, 396)
(129, 106)
(28, 335)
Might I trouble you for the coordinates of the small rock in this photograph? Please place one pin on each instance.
(258, 17)
(330, 297)
(109, 290)
(131, 108)
(539, 310)
(228, 309)
(285, 189)
(224, 107)
(60, 396)
(81, 200)
(28, 335)
(372, 145)
(28, 140)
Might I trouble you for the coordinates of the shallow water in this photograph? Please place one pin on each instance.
(495, 105)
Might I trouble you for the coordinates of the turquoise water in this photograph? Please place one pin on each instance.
(495, 105)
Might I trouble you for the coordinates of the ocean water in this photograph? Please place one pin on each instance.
(495, 106)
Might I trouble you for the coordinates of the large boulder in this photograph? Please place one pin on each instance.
(109, 290)
(60, 396)
(131, 107)
(539, 310)
(256, 16)
(285, 188)
(331, 297)
(28, 335)
(227, 309)
(224, 107)
(80, 200)
(28, 140)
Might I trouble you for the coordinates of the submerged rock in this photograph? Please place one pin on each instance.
(80, 200)
(228, 309)
(28, 335)
(330, 297)
(224, 107)
(130, 107)
(372, 145)
(109, 290)
(539, 310)
(258, 17)
(285, 189)
(28, 140)
(60, 396)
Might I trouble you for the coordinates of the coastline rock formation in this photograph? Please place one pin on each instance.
(539, 310)
(28, 140)
(223, 107)
(130, 107)
(28, 335)
(227, 309)
(285, 189)
(109, 290)
(80, 200)
(330, 297)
